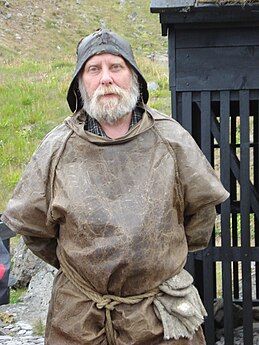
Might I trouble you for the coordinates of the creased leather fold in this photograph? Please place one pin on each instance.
(179, 307)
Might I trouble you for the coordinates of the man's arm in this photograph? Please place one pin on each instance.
(199, 226)
(29, 212)
(44, 248)
(201, 190)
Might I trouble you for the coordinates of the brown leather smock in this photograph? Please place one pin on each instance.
(125, 213)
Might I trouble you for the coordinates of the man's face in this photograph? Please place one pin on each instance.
(108, 87)
(106, 70)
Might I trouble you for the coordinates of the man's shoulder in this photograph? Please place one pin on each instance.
(159, 116)
(57, 134)
(168, 127)
(53, 141)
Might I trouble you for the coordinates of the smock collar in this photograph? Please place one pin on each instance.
(77, 122)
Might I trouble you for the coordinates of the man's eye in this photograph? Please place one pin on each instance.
(116, 67)
(93, 69)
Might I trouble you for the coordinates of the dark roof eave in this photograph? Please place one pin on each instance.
(158, 6)
(176, 6)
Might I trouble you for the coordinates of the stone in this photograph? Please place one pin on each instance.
(28, 337)
(102, 24)
(25, 265)
(133, 16)
(152, 86)
(219, 315)
(238, 336)
(15, 329)
(38, 341)
(39, 293)
(8, 326)
(5, 337)
(160, 58)
(8, 16)
(21, 332)
(18, 37)
(24, 325)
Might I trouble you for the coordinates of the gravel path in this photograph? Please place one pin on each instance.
(238, 336)
(19, 333)
(18, 330)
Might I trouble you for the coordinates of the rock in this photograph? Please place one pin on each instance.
(5, 3)
(102, 24)
(133, 16)
(38, 295)
(18, 37)
(19, 334)
(8, 16)
(160, 58)
(5, 337)
(78, 2)
(31, 272)
(219, 315)
(25, 265)
(24, 325)
(152, 86)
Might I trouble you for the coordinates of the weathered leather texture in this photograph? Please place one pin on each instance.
(125, 212)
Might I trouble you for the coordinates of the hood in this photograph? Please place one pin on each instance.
(102, 41)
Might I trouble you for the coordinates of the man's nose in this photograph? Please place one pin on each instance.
(106, 78)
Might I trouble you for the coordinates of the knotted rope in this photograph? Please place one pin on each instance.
(101, 301)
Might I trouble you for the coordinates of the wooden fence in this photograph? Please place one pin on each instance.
(214, 80)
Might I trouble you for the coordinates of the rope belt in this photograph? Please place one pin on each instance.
(101, 301)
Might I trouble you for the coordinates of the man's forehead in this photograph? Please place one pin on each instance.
(105, 57)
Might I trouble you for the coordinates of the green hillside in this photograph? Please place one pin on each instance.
(37, 58)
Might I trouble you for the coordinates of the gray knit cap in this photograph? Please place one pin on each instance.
(104, 41)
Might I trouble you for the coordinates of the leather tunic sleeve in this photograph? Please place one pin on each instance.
(29, 210)
(198, 228)
(201, 185)
(202, 190)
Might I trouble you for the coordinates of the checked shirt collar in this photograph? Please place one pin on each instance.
(93, 126)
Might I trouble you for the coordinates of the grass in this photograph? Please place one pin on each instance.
(48, 29)
(16, 295)
(32, 105)
(38, 328)
(33, 98)
(35, 71)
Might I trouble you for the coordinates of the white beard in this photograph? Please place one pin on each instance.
(110, 110)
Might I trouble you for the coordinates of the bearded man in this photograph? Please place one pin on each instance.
(115, 197)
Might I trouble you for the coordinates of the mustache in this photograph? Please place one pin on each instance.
(104, 90)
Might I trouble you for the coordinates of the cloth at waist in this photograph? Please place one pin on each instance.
(176, 303)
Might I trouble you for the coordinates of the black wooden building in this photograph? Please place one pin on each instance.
(213, 54)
